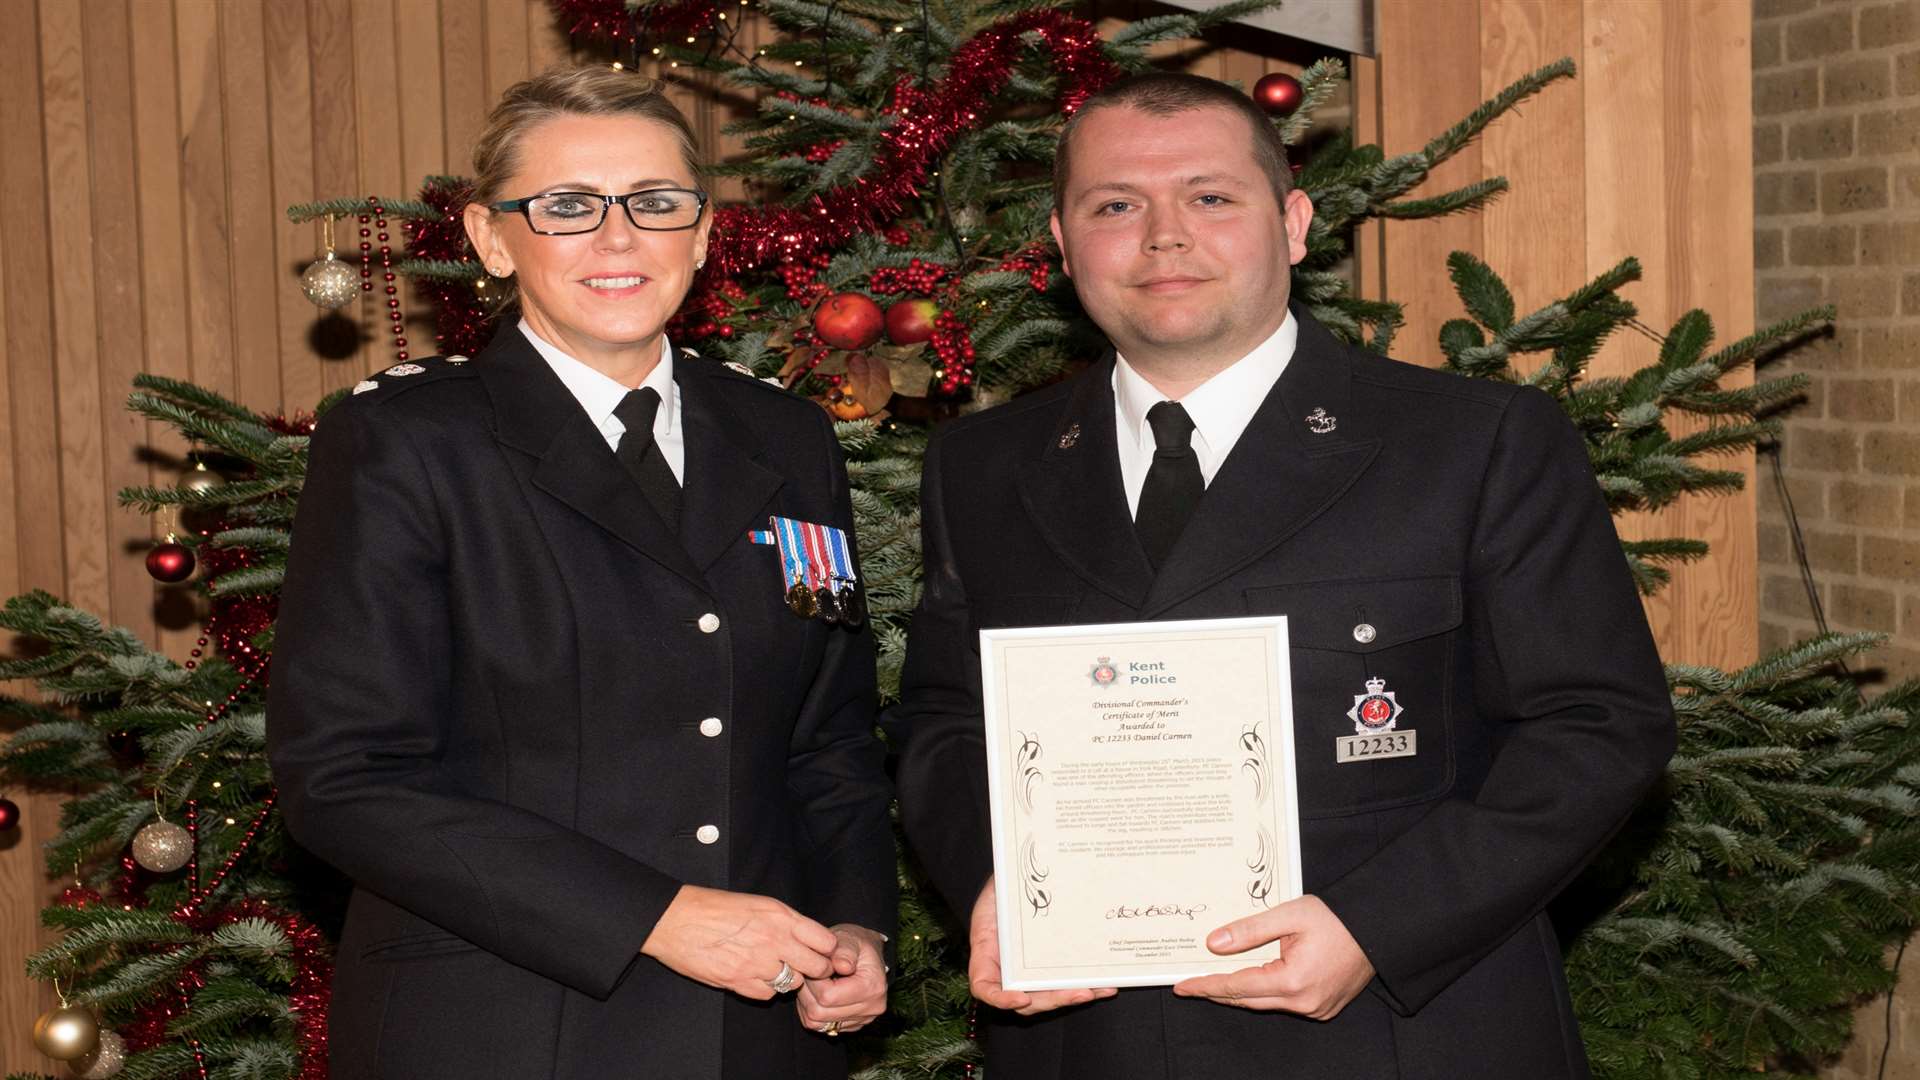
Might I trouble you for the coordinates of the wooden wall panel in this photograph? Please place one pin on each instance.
(1647, 153)
(154, 145)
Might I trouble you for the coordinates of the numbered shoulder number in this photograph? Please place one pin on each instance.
(1388, 744)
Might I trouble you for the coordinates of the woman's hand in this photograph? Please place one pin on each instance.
(855, 992)
(738, 941)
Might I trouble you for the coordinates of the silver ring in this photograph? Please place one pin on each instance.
(784, 981)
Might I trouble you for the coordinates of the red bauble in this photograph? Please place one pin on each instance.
(1279, 94)
(9, 814)
(848, 321)
(170, 562)
(910, 322)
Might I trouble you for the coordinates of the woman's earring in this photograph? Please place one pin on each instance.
(496, 271)
(699, 264)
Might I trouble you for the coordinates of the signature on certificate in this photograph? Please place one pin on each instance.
(1155, 911)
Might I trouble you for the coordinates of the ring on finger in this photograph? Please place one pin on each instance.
(784, 981)
(830, 1028)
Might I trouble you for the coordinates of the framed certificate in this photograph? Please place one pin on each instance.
(1143, 794)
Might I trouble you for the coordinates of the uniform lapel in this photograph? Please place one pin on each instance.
(1281, 474)
(534, 413)
(727, 488)
(1075, 496)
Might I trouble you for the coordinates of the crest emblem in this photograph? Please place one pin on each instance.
(365, 385)
(1320, 423)
(404, 369)
(1376, 710)
(1104, 674)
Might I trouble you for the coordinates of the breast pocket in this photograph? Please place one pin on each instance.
(1371, 658)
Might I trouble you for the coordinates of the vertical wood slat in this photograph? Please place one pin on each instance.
(251, 213)
(76, 347)
(204, 175)
(336, 154)
(118, 312)
(287, 51)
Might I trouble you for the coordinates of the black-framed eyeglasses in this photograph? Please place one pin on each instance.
(565, 213)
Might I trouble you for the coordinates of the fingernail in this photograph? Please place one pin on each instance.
(1220, 938)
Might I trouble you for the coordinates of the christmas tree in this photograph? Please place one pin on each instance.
(905, 274)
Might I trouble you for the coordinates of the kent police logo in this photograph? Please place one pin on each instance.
(1376, 710)
(1104, 674)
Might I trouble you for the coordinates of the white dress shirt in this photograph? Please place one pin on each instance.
(600, 394)
(1221, 408)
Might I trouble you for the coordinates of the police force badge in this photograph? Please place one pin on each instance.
(1104, 674)
(1374, 711)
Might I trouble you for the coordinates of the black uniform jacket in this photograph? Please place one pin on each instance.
(1457, 519)
(520, 712)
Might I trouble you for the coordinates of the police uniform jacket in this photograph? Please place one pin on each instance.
(1441, 534)
(520, 713)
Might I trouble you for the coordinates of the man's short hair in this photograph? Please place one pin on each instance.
(1165, 93)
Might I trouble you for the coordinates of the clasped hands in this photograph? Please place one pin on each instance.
(1320, 968)
(740, 941)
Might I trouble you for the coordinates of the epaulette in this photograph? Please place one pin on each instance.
(739, 372)
(413, 373)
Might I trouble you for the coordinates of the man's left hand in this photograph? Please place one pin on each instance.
(855, 993)
(1320, 968)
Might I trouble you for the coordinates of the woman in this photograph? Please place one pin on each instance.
(603, 797)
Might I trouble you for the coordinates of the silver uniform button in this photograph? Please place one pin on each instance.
(709, 623)
(711, 726)
(1364, 633)
(707, 834)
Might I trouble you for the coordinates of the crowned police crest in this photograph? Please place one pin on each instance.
(1376, 710)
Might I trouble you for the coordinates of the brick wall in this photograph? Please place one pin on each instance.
(1836, 174)
(1836, 102)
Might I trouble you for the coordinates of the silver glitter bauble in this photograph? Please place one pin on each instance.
(330, 283)
(106, 1060)
(162, 847)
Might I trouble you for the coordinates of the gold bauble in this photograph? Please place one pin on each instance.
(106, 1060)
(330, 283)
(162, 847)
(200, 479)
(66, 1033)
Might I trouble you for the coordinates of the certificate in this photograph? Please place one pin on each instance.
(1142, 790)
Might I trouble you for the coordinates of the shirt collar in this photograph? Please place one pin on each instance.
(1223, 406)
(599, 393)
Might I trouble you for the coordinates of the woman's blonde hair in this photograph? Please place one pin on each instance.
(595, 90)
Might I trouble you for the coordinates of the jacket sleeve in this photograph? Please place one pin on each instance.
(938, 724)
(360, 713)
(1567, 680)
(836, 770)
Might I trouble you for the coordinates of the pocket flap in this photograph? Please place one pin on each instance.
(1361, 616)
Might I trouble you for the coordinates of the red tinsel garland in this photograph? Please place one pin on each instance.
(614, 20)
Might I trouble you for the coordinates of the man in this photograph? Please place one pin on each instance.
(1442, 535)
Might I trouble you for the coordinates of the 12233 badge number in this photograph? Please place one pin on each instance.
(1390, 744)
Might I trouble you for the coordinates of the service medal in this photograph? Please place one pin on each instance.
(853, 610)
(828, 604)
(801, 602)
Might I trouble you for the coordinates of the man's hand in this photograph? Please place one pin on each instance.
(855, 992)
(737, 941)
(1320, 969)
(983, 968)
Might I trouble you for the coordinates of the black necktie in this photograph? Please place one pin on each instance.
(1173, 486)
(642, 456)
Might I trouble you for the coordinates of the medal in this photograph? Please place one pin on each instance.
(853, 610)
(828, 604)
(801, 602)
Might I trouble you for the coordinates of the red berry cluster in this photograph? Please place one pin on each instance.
(1033, 260)
(955, 350)
(898, 236)
(800, 276)
(820, 152)
(704, 313)
(919, 277)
